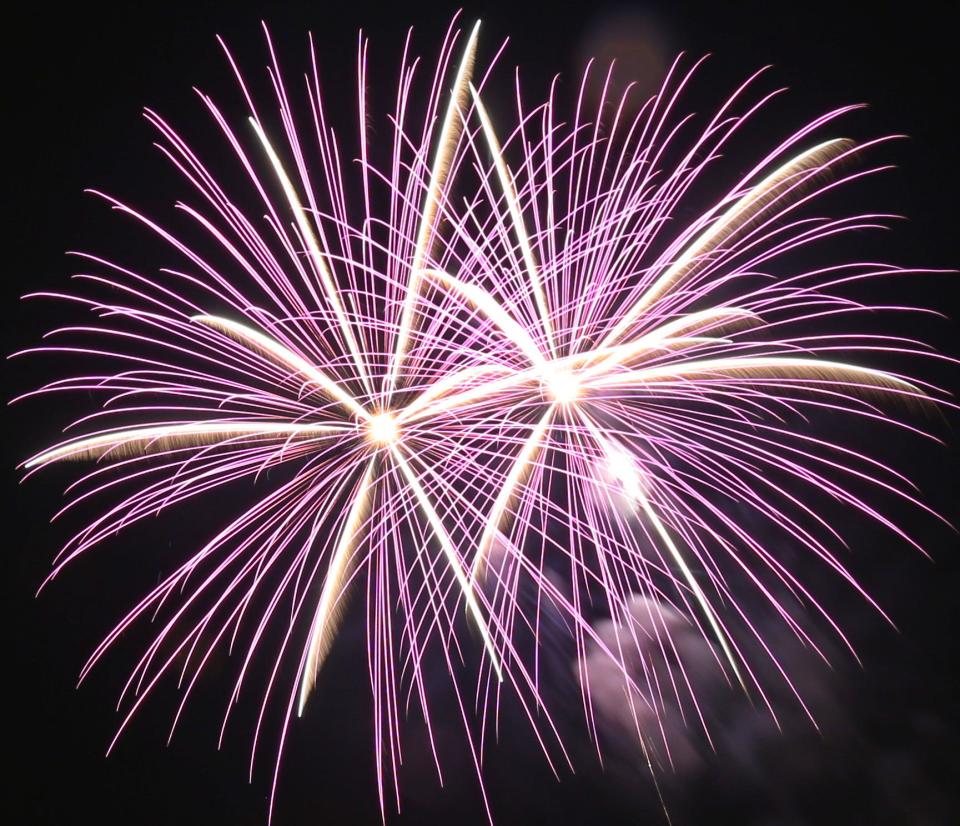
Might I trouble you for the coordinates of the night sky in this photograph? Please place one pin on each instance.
(75, 83)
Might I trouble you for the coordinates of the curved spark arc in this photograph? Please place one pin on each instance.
(325, 622)
(516, 218)
(257, 341)
(488, 305)
(730, 222)
(770, 366)
(316, 255)
(439, 389)
(141, 440)
(713, 321)
(446, 144)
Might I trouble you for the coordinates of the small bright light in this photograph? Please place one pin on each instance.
(563, 386)
(382, 429)
(623, 468)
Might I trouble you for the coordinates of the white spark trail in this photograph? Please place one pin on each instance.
(141, 440)
(326, 621)
(740, 214)
(452, 557)
(449, 135)
(258, 342)
(326, 277)
(507, 493)
(516, 216)
(635, 489)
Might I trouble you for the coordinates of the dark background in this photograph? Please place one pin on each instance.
(74, 83)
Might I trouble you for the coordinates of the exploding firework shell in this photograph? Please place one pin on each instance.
(492, 362)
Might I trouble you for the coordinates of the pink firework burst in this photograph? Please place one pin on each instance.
(484, 361)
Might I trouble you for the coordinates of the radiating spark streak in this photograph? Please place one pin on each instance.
(602, 362)
(491, 308)
(452, 557)
(326, 277)
(516, 217)
(518, 470)
(584, 365)
(263, 344)
(447, 383)
(326, 621)
(714, 320)
(771, 366)
(141, 440)
(446, 144)
(592, 362)
(691, 580)
(634, 488)
(434, 402)
(740, 214)
(482, 391)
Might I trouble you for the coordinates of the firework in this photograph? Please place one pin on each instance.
(482, 339)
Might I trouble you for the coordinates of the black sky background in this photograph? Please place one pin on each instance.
(74, 84)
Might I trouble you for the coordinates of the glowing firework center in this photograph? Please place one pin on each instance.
(560, 385)
(382, 429)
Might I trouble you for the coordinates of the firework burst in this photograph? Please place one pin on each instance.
(493, 343)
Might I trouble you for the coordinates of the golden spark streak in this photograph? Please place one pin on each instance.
(516, 216)
(450, 382)
(505, 497)
(263, 344)
(630, 356)
(592, 362)
(449, 135)
(313, 247)
(446, 544)
(635, 489)
(465, 397)
(714, 320)
(327, 619)
(691, 581)
(491, 308)
(142, 440)
(734, 219)
(673, 334)
(759, 366)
